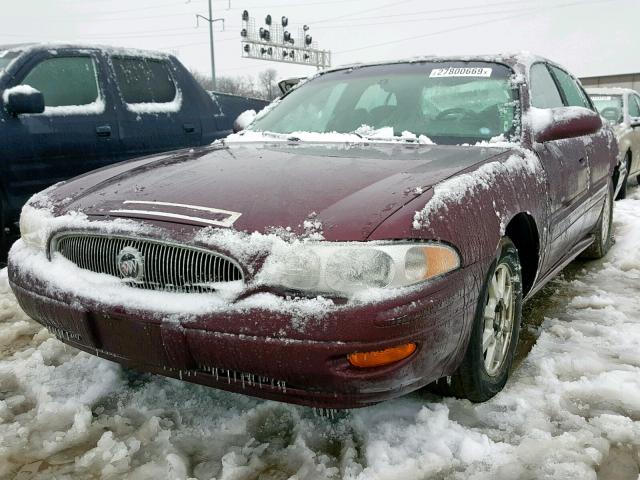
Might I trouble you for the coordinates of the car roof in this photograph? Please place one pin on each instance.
(522, 59)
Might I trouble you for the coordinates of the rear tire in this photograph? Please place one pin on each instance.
(494, 337)
(603, 232)
(622, 194)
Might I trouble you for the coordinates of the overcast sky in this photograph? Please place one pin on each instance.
(590, 37)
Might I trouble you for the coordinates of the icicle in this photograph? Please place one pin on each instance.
(180, 374)
(242, 378)
(216, 371)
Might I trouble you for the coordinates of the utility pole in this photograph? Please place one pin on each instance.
(213, 60)
(211, 21)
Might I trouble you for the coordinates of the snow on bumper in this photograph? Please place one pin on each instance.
(264, 345)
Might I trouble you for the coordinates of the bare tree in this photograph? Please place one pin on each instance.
(237, 85)
(267, 80)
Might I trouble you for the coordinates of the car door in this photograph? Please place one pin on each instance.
(567, 169)
(597, 149)
(633, 105)
(76, 132)
(152, 113)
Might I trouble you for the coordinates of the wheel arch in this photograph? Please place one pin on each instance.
(523, 232)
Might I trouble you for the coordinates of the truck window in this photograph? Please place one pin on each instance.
(144, 80)
(65, 81)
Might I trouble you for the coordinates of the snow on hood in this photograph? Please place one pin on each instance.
(455, 189)
(363, 135)
(569, 410)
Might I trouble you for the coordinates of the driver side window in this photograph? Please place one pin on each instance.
(544, 92)
(65, 81)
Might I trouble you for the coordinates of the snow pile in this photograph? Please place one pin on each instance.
(363, 134)
(110, 290)
(539, 119)
(245, 118)
(19, 89)
(94, 108)
(154, 107)
(570, 410)
(455, 189)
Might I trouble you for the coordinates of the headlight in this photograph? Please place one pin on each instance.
(34, 226)
(347, 268)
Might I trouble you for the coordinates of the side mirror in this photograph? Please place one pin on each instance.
(288, 83)
(23, 99)
(565, 122)
(635, 122)
(244, 120)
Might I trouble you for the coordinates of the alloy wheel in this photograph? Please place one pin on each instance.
(499, 315)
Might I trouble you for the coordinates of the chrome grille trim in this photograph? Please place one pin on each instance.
(168, 266)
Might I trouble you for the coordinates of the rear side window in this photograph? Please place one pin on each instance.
(65, 81)
(634, 107)
(144, 80)
(544, 93)
(573, 94)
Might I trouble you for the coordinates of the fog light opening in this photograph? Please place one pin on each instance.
(381, 357)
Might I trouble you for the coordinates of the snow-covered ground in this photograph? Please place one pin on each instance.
(570, 411)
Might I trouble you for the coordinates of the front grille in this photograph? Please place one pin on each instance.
(148, 264)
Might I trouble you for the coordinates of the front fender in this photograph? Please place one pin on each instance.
(472, 209)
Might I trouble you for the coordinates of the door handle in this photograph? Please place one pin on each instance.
(103, 131)
(189, 127)
(582, 160)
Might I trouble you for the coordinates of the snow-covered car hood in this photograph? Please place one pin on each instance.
(350, 189)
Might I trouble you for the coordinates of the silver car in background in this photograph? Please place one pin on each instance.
(621, 108)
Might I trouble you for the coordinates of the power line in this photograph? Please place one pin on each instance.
(463, 27)
(381, 7)
(414, 20)
(445, 10)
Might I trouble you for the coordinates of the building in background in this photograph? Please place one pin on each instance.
(623, 80)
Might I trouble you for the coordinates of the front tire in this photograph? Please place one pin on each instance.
(603, 233)
(485, 368)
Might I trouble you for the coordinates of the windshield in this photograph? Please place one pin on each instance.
(6, 57)
(610, 107)
(448, 102)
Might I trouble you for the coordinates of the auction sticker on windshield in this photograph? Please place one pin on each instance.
(460, 72)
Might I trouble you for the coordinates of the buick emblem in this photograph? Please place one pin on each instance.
(130, 263)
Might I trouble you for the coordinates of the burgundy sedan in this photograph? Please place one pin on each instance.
(374, 231)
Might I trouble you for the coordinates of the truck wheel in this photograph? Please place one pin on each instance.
(622, 194)
(494, 337)
(603, 233)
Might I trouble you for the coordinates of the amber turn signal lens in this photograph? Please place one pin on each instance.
(381, 357)
(440, 260)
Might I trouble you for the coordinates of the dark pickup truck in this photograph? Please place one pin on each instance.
(69, 109)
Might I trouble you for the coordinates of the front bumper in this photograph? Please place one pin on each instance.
(269, 353)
